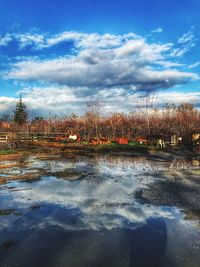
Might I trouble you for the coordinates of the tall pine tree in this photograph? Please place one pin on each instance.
(20, 113)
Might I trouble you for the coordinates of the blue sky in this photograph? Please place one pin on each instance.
(61, 54)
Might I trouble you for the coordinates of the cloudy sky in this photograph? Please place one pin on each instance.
(61, 54)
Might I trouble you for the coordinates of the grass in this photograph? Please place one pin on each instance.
(7, 151)
(129, 147)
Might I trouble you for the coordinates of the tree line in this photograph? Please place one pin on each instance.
(147, 120)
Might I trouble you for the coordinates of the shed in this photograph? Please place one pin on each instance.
(122, 141)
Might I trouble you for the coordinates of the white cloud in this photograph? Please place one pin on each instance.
(185, 43)
(43, 40)
(87, 40)
(51, 100)
(112, 68)
(65, 36)
(29, 39)
(7, 104)
(175, 97)
(157, 30)
(4, 41)
(181, 51)
(194, 65)
(186, 38)
(144, 51)
(97, 69)
(39, 41)
(66, 100)
(106, 61)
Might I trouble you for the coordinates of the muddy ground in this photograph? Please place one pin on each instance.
(174, 188)
(179, 186)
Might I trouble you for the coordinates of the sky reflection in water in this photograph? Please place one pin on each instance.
(92, 221)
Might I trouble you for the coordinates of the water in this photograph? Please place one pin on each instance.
(86, 212)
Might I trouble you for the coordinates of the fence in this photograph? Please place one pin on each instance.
(30, 137)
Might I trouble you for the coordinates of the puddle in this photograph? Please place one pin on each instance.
(98, 212)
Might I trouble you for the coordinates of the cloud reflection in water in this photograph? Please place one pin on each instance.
(102, 200)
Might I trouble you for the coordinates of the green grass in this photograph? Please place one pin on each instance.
(85, 143)
(129, 147)
(7, 151)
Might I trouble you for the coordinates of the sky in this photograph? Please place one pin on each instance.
(60, 54)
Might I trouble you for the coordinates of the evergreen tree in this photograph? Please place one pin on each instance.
(20, 113)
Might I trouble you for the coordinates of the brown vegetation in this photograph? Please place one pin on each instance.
(140, 125)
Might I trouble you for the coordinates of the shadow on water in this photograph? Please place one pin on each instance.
(148, 244)
(52, 246)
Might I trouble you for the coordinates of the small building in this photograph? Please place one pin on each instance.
(156, 140)
(141, 140)
(5, 125)
(121, 141)
(160, 143)
(175, 140)
(195, 137)
(73, 137)
(196, 141)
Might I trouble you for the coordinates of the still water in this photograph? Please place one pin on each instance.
(85, 212)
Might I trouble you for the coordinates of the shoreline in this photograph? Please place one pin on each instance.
(150, 153)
